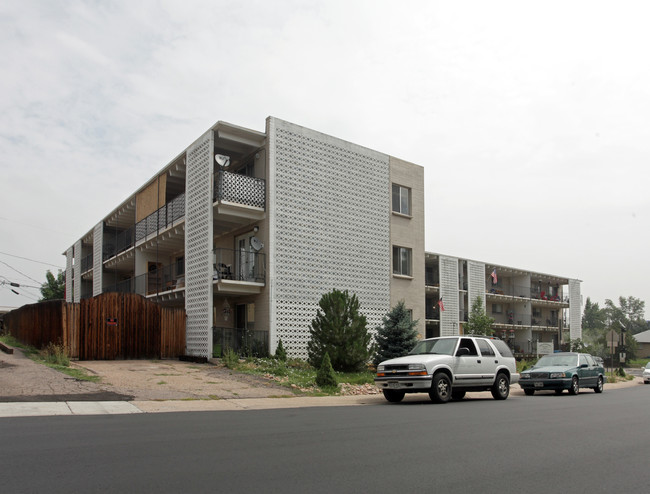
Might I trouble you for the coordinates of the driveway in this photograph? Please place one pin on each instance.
(22, 380)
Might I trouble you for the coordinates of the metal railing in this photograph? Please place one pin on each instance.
(245, 342)
(117, 242)
(162, 218)
(239, 189)
(87, 263)
(239, 265)
(513, 318)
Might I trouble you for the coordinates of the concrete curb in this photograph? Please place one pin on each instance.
(170, 406)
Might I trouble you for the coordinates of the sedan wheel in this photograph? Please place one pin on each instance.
(558, 391)
(440, 389)
(599, 385)
(575, 386)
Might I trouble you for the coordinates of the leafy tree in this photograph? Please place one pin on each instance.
(53, 288)
(396, 336)
(479, 322)
(339, 330)
(325, 377)
(629, 315)
(593, 318)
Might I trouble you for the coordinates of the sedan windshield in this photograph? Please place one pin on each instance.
(443, 346)
(558, 361)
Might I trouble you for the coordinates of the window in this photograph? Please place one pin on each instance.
(486, 349)
(402, 261)
(469, 344)
(401, 199)
(503, 348)
(180, 266)
(497, 309)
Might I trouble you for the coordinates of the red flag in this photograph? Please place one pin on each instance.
(442, 307)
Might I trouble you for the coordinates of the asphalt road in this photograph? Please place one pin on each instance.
(545, 443)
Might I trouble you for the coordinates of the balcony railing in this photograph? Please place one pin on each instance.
(245, 342)
(87, 263)
(239, 189)
(116, 243)
(239, 265)
(526, 292)
(161, 219)
(512, 318)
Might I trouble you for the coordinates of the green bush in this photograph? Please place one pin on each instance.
(397, 334)
(325, 377)
(230, 358)
(56, 354)
(280, 353)
(340, 330)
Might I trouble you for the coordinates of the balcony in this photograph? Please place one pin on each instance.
(86, 264)
(239, 198)
(162, 219)
(238, 271)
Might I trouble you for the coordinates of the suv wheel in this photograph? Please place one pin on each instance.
(393, 396)
(575, 386)
(529, 392)
(501, 387)
(440, 388)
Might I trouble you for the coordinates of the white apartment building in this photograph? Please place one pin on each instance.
(247, 230)
(533, 312)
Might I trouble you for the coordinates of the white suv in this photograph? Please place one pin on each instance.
(448, 367)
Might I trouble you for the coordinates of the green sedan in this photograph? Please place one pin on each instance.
(560, 371)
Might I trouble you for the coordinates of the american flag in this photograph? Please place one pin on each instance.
(494, 276)
(442, 307)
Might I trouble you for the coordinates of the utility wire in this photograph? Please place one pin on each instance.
(26, 276)
(33, 260)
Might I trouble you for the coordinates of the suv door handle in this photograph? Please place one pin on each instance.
(478, 361)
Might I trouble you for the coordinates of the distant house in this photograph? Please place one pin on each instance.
(643, 339)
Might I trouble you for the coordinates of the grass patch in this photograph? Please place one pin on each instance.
(295, 374)
(641, 362)
(53, 356)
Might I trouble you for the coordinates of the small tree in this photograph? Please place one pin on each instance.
(325, 377)
(479, 322)
(339, 330)
(280, 353)
(396, 336)
(53, 288)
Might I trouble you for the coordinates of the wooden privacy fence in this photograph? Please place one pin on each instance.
(107, 327)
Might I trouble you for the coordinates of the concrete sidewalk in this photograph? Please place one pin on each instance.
(31, 409)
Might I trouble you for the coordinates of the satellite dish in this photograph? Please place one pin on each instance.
(222, 160)
(256, 244)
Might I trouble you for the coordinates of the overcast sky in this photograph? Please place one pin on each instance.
(530, 118)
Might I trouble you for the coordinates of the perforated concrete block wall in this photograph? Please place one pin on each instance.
(449, 294)
(329, 207)
(98, 241)
(198, 247)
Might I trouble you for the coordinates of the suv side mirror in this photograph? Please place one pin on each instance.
(462, 351)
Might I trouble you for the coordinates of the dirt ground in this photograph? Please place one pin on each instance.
(22, 380)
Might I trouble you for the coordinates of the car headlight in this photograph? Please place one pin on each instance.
(556, 375)
(524, 376)
(416, 367)
(380, 368)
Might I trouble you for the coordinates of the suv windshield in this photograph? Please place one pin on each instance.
(558, 360)
(442, 346)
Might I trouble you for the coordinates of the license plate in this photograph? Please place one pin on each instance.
(393, 385)
(539, 385)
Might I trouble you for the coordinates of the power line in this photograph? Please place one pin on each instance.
(26, 276)
(32, 260)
